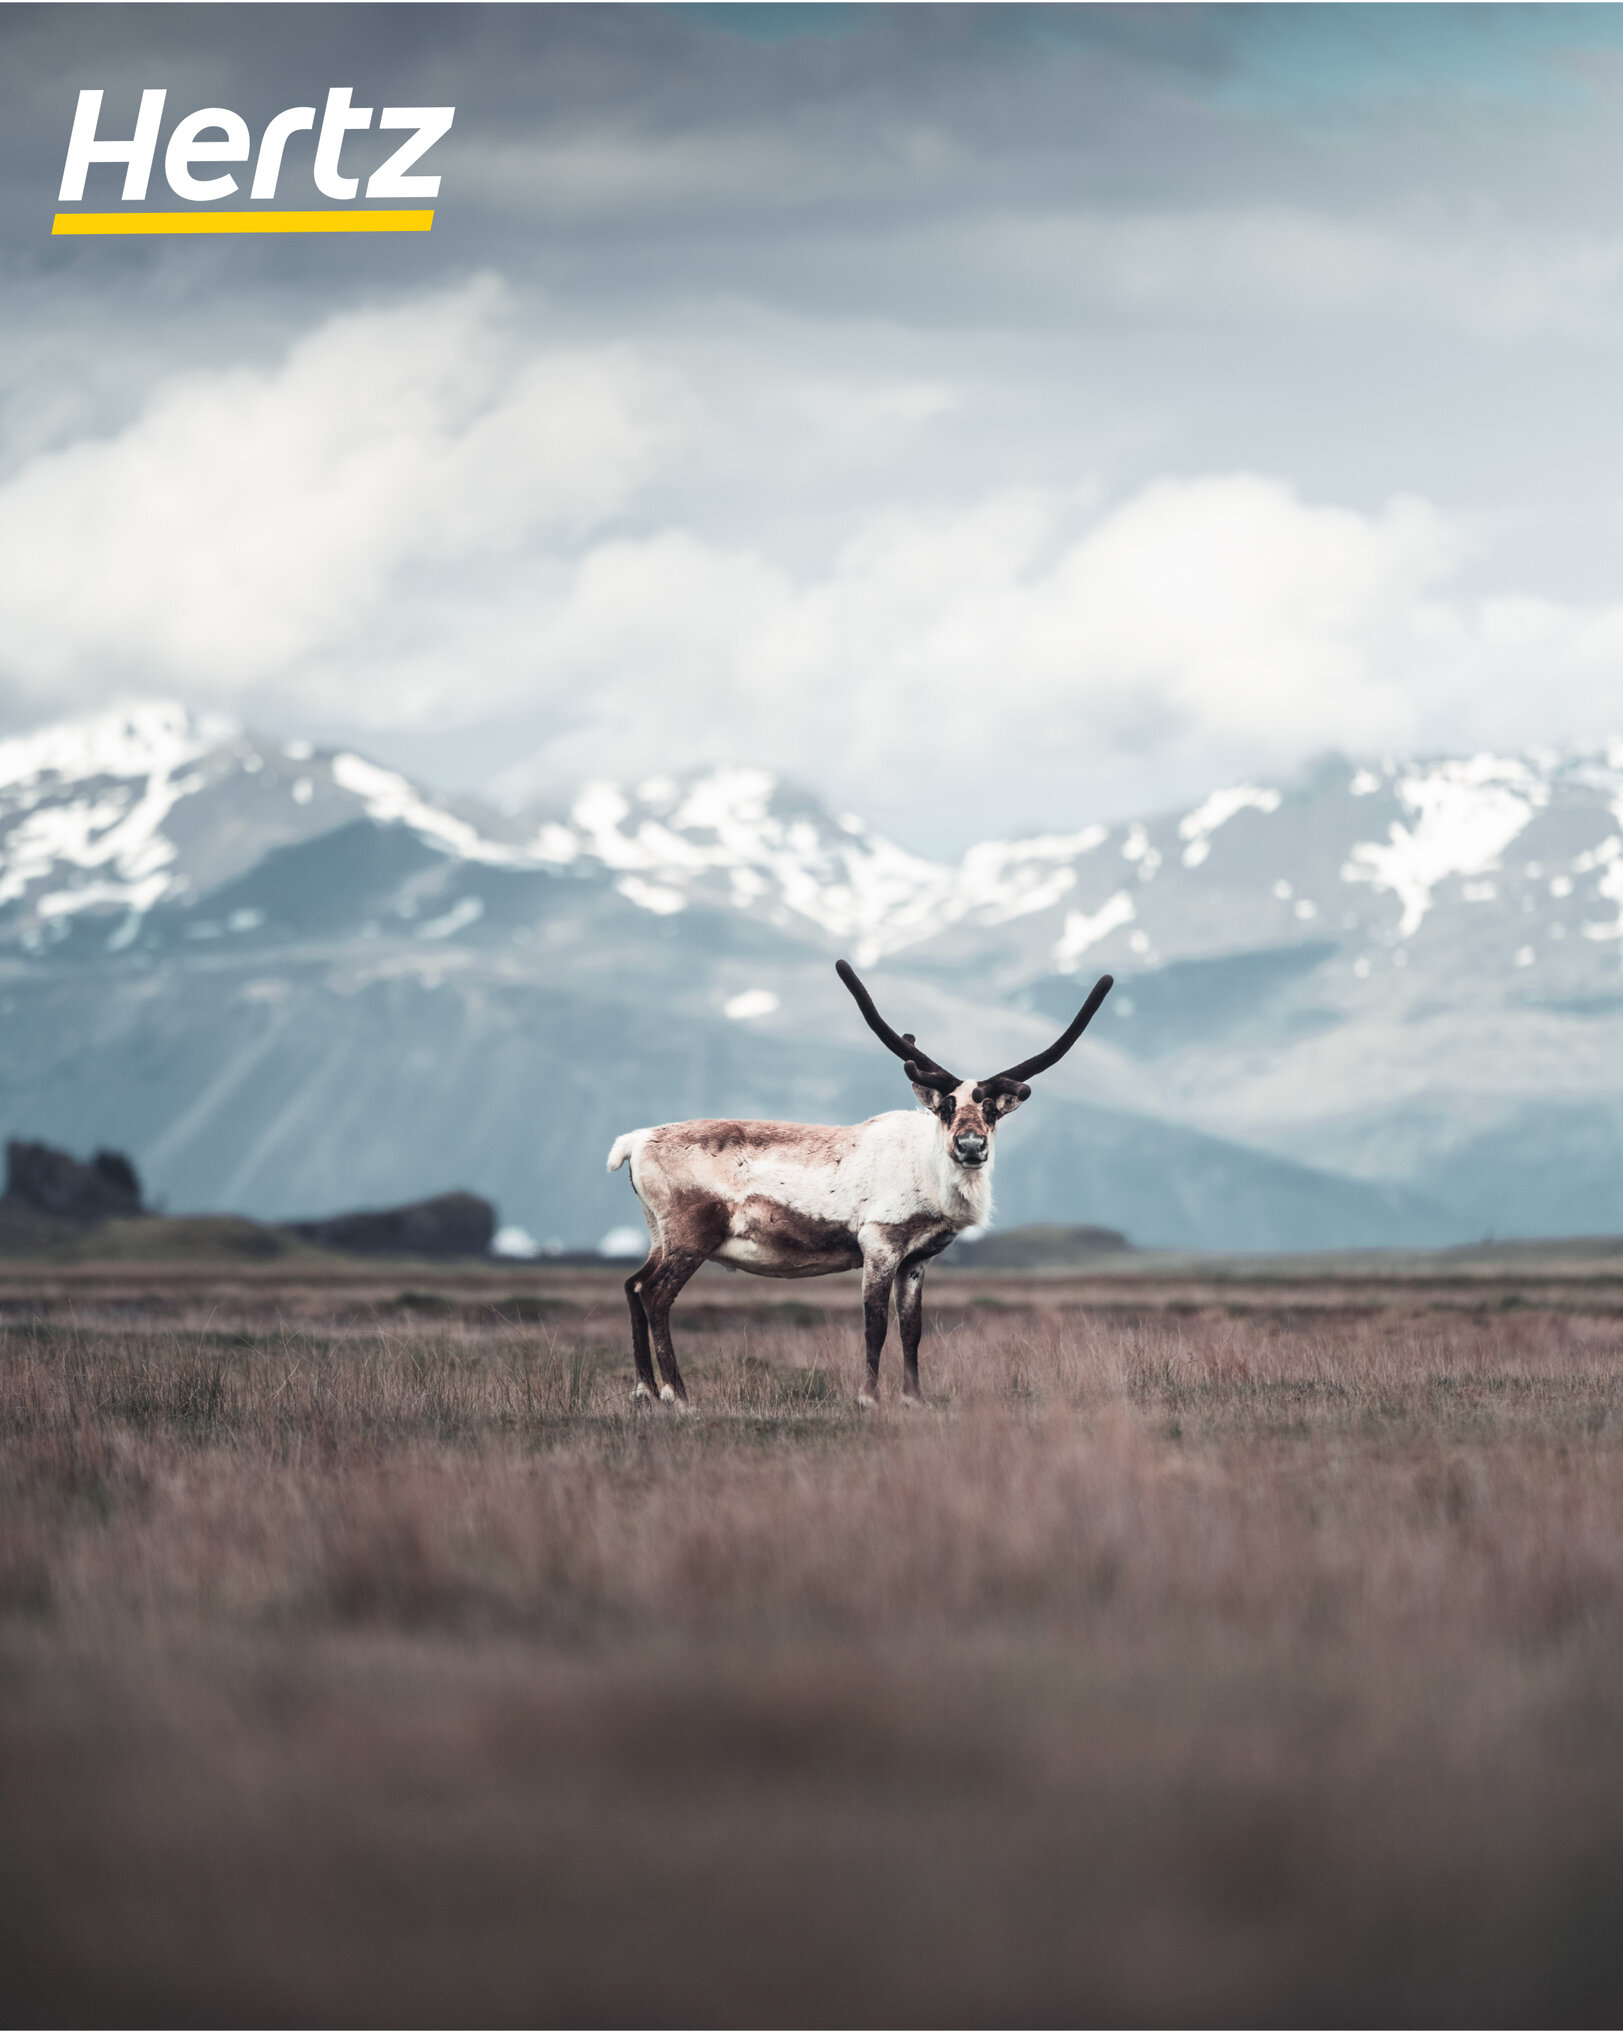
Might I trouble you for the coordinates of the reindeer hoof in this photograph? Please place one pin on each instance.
(867, 1401)
(671, 1396)
(642, 1395)
(915, 1401)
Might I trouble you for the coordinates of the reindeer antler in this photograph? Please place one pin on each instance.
(920, 1068)
(1014, 1078)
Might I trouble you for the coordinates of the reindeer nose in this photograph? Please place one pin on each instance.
(970, 1147)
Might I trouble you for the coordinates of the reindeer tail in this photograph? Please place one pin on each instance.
(622, 1149)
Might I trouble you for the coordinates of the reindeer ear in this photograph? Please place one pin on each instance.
(932, 1098)
(1002, 1096)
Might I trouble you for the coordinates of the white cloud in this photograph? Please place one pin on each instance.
(1216, 611)
(998, 662)
(1447, 261)
(1488, 280)
(249, 520)
(420, 520)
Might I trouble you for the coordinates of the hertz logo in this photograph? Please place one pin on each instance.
(215, 134)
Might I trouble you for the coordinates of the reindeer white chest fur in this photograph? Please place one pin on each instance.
(795, 1200)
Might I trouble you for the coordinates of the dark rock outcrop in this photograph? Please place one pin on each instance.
(49, 1181)
(450, 1225)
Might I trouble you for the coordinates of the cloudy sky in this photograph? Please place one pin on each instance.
(997, 419)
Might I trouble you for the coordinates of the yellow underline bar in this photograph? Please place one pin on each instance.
(242, 222)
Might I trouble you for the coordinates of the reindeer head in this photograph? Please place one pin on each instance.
(969, 1111)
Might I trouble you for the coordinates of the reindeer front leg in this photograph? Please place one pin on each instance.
(910, 1319)
(879, 1261)
(910, 1312)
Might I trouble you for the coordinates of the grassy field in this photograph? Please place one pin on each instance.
(1209, 1652)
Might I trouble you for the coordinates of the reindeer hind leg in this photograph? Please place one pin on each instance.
(636, 1285)
(675, 1268)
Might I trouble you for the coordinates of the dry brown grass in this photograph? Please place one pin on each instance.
(1181, 1667)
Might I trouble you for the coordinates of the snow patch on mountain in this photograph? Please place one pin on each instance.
(466, 911)
(742, 830)
(1608, 857)
(154, 739)
(1004, 879)
(1466, 814)
(1217, 810)
(750, 1002)
(391, 800)
(651, 896)
(764, 847)
(89, 798)
(1082, 931)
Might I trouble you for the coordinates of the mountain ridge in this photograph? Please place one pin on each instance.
(1365, 976)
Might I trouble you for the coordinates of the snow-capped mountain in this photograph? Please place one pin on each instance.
(128, 809)
(1385, 1001)
(1364, 851)
(742, 837)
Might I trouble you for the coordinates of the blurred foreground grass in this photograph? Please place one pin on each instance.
(1191, 1667)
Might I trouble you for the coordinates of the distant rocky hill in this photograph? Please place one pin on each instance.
(48, 1181)
(54, 1202)
(1042, 1246)
(450, 1224)
(1380, 1005)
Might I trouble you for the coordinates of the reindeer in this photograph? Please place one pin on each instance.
(794, 1200)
